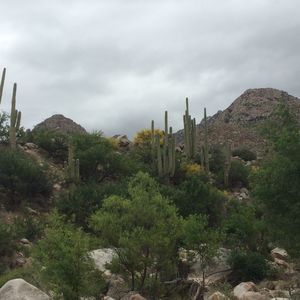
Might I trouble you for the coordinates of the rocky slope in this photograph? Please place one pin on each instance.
(239, 124)
(61, 124)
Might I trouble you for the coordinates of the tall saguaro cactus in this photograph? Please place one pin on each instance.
(15, 120)
(166, 156)
(190, 133)
(206, 157)
(2, 83)
(72, 166)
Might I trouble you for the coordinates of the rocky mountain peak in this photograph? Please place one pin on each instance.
(61, 124)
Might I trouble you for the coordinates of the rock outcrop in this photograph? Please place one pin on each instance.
(239, 124)
(19, 289)
(61, 124)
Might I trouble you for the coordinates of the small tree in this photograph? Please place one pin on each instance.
(204, 242)
(63, 261)
(143, 229)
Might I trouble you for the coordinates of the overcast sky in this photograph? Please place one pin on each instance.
(114, 65)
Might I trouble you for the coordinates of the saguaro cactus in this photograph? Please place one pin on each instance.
(2, 83)
(206, 157)
(190, 133)
(227, 164)
(72, 166)
(15, 120)
(166, 157)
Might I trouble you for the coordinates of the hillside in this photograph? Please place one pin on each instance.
(239, 123)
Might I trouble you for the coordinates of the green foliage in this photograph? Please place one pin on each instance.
(20, 175)
(54, 142)
(197, 197)
(143, 229)
(83, 200)
(248, 266)
(4, 128)
(276, 184)
(202, 239)
(243, 229)
(217, 159)
(28, 226)
(244, 153)
(64, 264)
(99, 159)
(238, 174)
(7, 244)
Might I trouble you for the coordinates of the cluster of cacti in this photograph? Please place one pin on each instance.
(72, 166)
(190, 134)
(165, 157)
(227, 164)
(15, 115)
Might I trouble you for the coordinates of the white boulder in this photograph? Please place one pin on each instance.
(19, 289)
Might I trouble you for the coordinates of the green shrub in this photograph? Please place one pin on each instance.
(83, 200)
(245, 154)
(238, 174)
(20, 175)
(28, 227)
(7, 244)
(197, 197)
(217, 159)
(63, 263)
(248, 266)
(55, 143)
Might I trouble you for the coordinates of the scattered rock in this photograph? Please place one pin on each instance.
(108, 298)
(117, 288)
(217, 296)
(122, 141)
(279, 253)
(19, 289)
(24, 241)
(102, 257)
(247, 291)
(30, 146)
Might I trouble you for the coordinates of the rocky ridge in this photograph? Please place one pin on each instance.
(239, 124)
(61, 124)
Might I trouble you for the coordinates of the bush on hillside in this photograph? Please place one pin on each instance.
(248, 266)
(83, 200)
(198, 197)
(55, 143)
(21, 176)
(238, 174)
(244, 153)
(99, 159)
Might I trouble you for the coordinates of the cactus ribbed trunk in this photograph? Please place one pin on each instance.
(15, 119)
(2, 83)
(206, 156)
(190, 133)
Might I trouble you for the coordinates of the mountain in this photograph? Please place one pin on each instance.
(61, 124)
(239, 123)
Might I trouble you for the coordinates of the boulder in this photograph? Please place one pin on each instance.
(19, 289)
(217, 296)
(102, 257)
(247, 291)
(279, 253)
(133, 296)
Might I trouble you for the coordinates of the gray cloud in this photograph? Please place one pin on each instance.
(114, 65)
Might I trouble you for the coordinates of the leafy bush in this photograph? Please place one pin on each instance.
(244, 153)
(28, 227)
(238, 174)
(20, 175)
(55, 143)
(7, 244)
(217, 159)
(248, 266)
(144, 228)
(99, 159)
(198, 197)
(83, 200)
(63, 262)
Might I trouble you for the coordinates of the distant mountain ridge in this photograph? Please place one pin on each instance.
(61, 124)
(238, 124)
